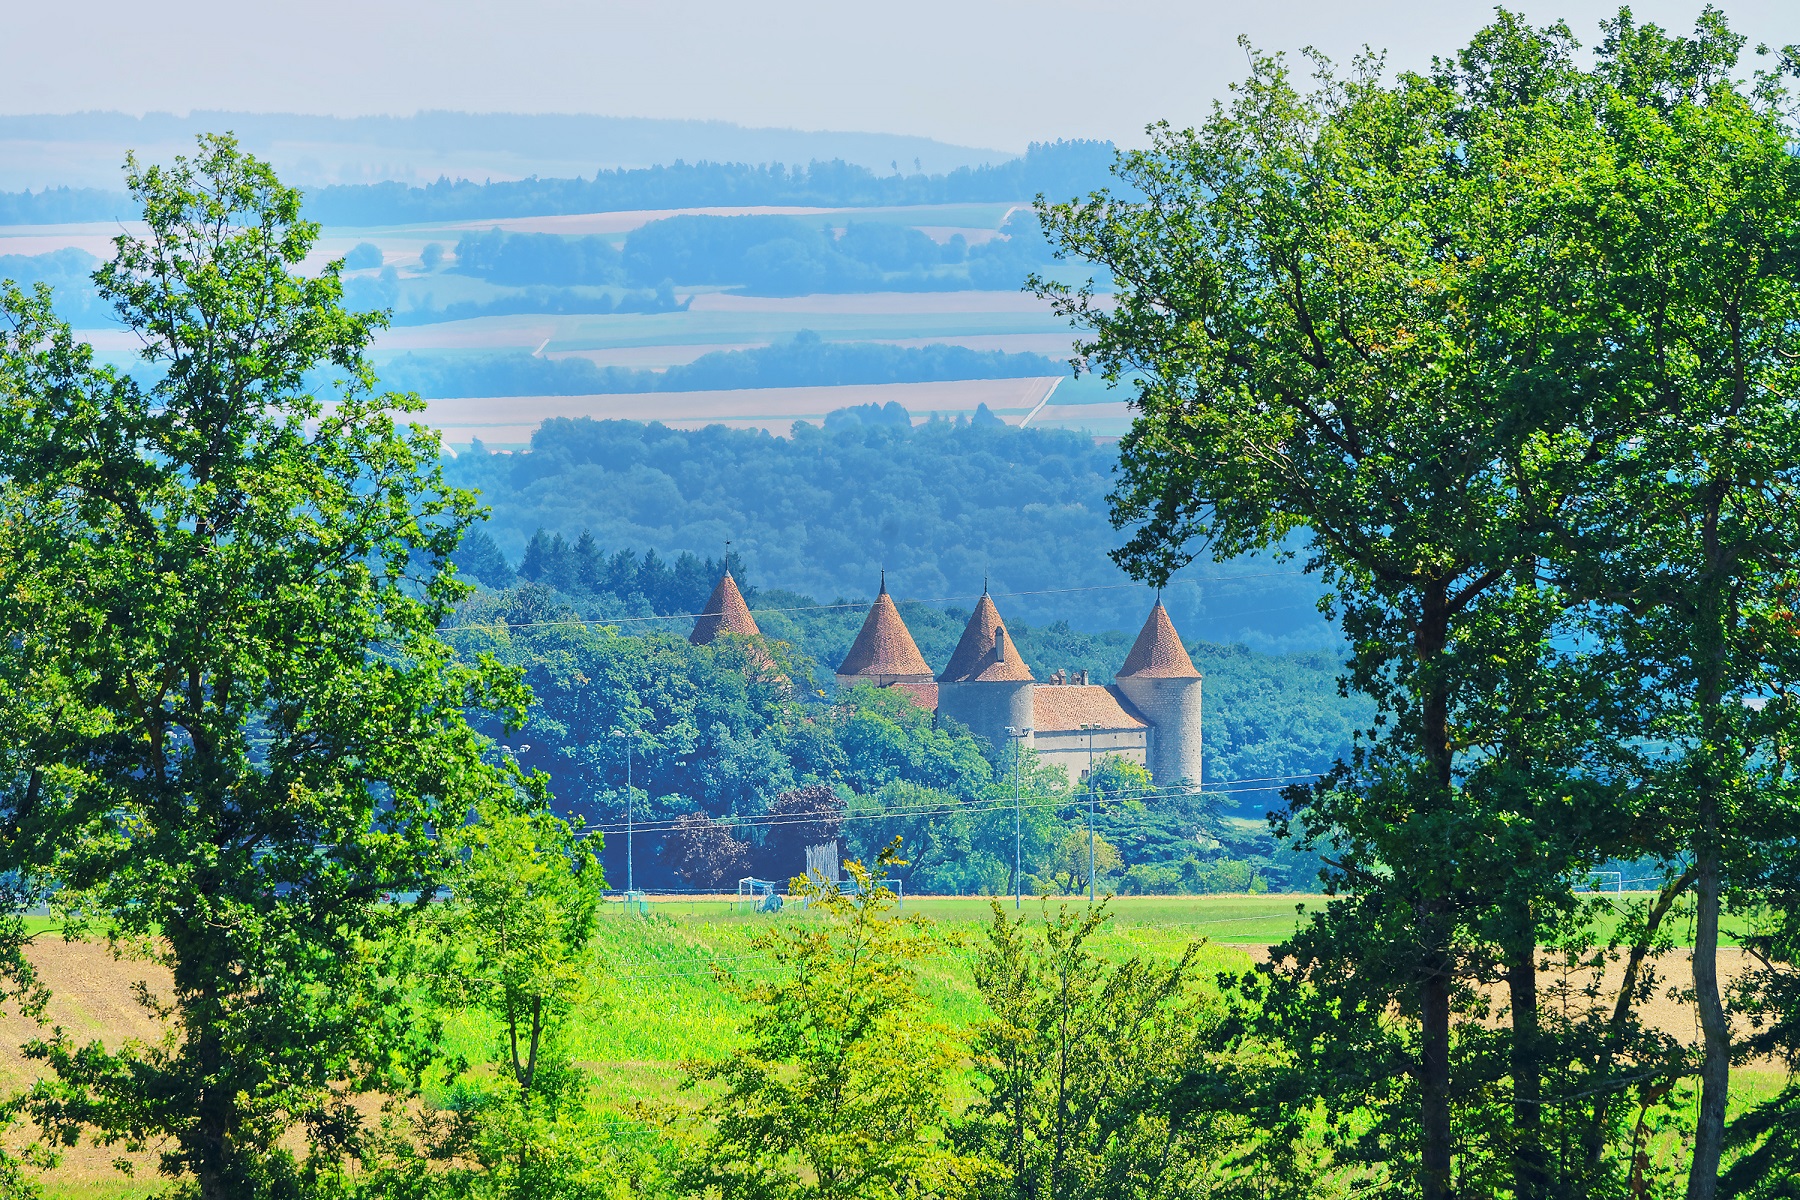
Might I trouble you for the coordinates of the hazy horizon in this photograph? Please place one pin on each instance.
(993, 76)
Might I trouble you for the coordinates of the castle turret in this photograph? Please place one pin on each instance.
(987, 686)
(1160, 681)
(725, 612)
(885, 655)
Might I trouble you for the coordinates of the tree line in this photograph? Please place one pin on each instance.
(629, 713)
(1060, 168)
(1269, 717)
(805, 360)
(939, 506)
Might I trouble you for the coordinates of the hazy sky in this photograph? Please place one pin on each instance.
(994, 73)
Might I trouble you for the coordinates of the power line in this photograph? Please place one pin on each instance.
(992, 804)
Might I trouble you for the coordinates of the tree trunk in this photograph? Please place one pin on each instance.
(1530, 1179)
(1434, 1086)
(1716, 755)
(1715, 1066)
(1436, 918)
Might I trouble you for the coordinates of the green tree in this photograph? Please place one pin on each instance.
(244, 583)
(1691, 537)
(1067, 871)
(840, 1089)
(1359, 312)
(1078, 1067)
(514, 946)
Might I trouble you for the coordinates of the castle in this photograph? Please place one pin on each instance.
(1151, 713)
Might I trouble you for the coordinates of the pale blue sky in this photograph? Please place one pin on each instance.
(994, 73)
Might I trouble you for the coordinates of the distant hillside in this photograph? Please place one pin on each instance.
(1059, 169)
(86, 149)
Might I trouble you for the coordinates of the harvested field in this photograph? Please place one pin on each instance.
(650, 356)
(510, 420)
(1109, 419)
(966, 219)
(1052, 345)
(876, 302)
(95, 238)
(724, 321)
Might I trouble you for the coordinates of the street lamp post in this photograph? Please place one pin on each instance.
(630, 890)
(1018, 737)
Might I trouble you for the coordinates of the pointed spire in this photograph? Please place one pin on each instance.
(884, 651)
(725, 612)
(986, 651)
(1158, 652)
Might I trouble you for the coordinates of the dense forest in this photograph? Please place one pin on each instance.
(803, 361)
(1268, 716)
(941, 507)
(714, 733)
(764, 255)
(1058, 169)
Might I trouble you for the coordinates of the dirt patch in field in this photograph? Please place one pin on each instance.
(1670, 1009)
(92, 998)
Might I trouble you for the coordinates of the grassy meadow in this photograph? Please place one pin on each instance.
(659, 992)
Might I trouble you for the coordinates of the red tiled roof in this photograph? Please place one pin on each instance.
(885, 646)
(922, 694)
(1158, 652)
(986, 651)
(1061, 709)
(725, 612)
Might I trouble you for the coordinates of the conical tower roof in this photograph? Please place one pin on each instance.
(986, 652)
(884, 647)
(725, 612)
(1158, 652)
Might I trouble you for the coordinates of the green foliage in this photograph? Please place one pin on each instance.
(786, 256)
(621, 583)
(1067, 871)
(239, 589)
(1699, 586)
(1388, 313)
(840, 1089)
(1076, 1065)
(514, 944)
(821, 514)
(1489, 337)
(526, 258)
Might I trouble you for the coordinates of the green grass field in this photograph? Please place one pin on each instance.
(657, 992)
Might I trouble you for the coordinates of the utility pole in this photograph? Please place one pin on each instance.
(1089, 726)
(1018, 736)
(630, 890)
